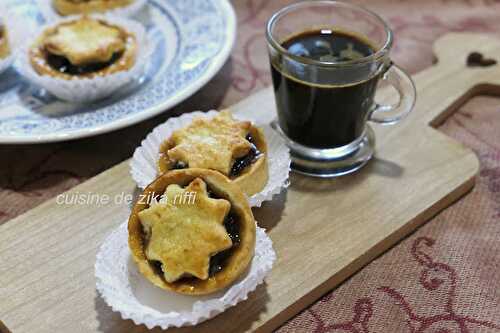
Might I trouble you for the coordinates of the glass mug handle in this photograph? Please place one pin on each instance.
(391, 114)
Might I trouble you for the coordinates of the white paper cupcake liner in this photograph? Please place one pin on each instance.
(49, 13)
(126, 291)
(86, 90)
(143, 166)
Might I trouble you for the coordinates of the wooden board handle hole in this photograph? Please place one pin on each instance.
(476, 59)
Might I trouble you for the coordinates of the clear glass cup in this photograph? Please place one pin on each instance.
(324, 105)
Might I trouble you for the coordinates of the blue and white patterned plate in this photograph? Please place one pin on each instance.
(192, 39)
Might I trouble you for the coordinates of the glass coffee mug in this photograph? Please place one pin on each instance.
(327, 59)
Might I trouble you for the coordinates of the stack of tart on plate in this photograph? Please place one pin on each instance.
(89, 54)
(201, 245)
(78, 47)
(83, 47)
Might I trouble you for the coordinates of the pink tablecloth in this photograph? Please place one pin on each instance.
(443, 278)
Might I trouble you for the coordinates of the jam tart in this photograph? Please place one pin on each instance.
(74, 7)
(237, 149)
(198, 238)
(84, 48)
(4, 42)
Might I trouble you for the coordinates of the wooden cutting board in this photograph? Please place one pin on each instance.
(323, 230)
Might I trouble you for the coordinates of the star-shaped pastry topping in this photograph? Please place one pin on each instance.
(85, 41)
(211, 143)
(184, 233)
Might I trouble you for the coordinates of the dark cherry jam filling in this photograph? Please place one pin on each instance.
(62, 64)
(218, 261)
(241, 163)
(157, 267)
(180, 165)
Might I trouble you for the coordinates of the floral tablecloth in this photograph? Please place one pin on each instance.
(443, 278)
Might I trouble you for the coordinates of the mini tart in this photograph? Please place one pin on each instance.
(74, 7)
(237, 149)
(83, 48)
(180, 236)
(4, 42)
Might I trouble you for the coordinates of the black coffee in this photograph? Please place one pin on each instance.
(322, 115)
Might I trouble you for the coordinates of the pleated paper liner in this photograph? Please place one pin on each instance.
(126, 291)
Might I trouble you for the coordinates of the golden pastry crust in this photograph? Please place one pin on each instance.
(186, 230)
(4, 42)
(216, 144)
(74, 7)
(241, 255)
(83, 42)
